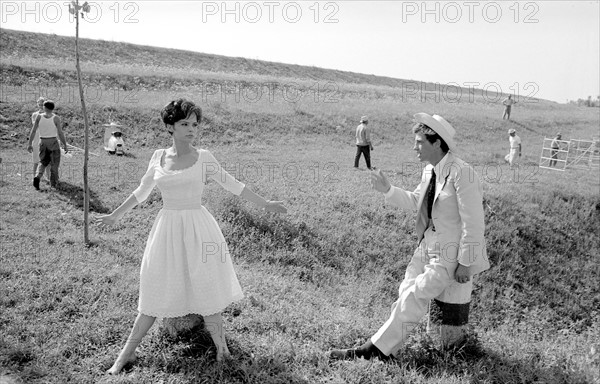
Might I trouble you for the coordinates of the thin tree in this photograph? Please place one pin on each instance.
(77, 10)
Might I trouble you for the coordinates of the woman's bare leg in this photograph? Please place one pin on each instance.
(140, 328)
(214, 325)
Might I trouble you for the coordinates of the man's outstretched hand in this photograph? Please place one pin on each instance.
(379, 181)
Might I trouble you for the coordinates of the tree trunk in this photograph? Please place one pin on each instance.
(86, 192)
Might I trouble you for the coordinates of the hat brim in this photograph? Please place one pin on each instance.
(439, 128)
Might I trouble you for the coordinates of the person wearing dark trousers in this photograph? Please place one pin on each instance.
(36, 140)
(49, 127)
(363, 142)
(555, 148)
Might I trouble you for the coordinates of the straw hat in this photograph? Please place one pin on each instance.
(440, 126)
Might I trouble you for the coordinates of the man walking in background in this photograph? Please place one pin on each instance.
(363, 142)
(514, 154)
(451, 245)
(50, 129)
(35, 155)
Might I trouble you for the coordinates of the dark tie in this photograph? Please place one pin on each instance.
(430, 194)
(424, 213)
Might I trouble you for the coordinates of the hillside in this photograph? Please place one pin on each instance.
(29, 48)
(38, 45)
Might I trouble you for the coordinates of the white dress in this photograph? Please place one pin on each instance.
(186, 266)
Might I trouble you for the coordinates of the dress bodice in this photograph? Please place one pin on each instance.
(182, 189)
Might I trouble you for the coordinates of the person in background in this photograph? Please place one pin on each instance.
(35, 154)
(514, 154)
(508, 103)
(555, 145)
(363, 142)
(49, 126)
(115, 143)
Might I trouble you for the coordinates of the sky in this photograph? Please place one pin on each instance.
(545, 49)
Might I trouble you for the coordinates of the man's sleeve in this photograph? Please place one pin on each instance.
(402, 198)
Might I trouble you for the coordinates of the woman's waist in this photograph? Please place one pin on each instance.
(174, 204)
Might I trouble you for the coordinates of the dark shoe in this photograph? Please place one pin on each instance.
(366, 351)
(369, 351)
(36, 183)
(342, 354)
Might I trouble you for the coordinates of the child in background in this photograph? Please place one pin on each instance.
(186, 268)
(115, 143)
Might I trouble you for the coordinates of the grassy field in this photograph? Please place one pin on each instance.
(322, 276)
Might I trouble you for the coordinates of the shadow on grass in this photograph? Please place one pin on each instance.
(75, 195)
(483, 365)
(16, 361)
(192, 353)
(284, 237)
(125, 154)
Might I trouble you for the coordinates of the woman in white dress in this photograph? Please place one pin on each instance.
(186, 266)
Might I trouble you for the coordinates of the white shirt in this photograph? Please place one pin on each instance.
(46, 126)
(114, 141)
(508, 102)
(514, 141)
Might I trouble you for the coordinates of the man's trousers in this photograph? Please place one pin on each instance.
(49, 156)
(429, 275)
(364, 150)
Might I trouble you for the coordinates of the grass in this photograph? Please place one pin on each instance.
(322, 276)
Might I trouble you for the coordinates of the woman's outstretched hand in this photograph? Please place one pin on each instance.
(105, 220)
(275, 206)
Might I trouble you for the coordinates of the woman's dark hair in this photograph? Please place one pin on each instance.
(431, 136)
(179, 109)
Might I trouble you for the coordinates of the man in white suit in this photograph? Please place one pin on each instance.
(450, 232)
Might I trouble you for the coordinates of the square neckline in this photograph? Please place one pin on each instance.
(162, 168)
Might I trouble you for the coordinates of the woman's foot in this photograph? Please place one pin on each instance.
(223, 352)
(120, 363)
(223, 356)
(140, 327)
